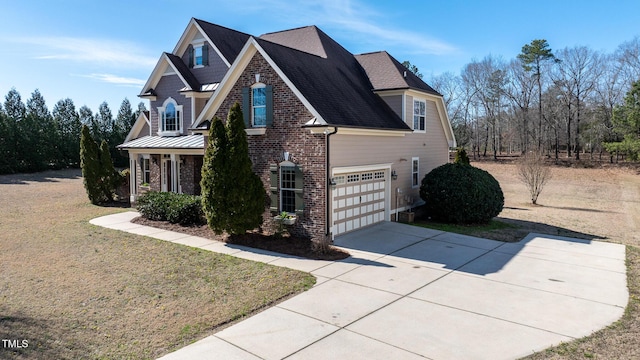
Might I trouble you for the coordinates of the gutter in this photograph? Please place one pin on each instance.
(328, 235)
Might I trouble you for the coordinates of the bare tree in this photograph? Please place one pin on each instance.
(534, 173)
(580, 69)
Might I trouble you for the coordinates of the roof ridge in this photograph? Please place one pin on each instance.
(292, 29)
(220, 26)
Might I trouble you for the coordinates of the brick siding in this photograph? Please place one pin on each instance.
(306, 150)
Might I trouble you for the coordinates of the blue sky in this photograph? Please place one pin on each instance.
(95, 51)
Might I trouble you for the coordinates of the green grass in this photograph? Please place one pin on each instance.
(471, 229)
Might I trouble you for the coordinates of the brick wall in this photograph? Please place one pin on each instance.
(306, 150)
(189, 174)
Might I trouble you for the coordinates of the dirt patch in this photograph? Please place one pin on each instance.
(289, 245)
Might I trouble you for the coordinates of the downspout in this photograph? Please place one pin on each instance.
(328, 235)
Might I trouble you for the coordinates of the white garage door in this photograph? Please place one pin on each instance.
(358, 200)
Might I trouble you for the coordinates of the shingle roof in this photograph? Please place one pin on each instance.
(336, 85)
(230, 42)
(385, 72)
(305, 39)
(184, 71)
(159, 142)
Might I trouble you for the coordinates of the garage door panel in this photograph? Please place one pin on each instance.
(359, 200)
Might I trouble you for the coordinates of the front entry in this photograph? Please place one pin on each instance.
(169, 173)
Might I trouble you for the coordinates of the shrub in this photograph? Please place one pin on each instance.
(458, 193)
(180, 209)
(461, 157)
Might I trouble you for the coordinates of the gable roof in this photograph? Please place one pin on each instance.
(386, 73)
(184, 72)
(143, 118)
(228, 42)
(336, 86)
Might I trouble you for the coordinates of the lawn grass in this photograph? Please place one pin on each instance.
(75, 291)
(466, 229)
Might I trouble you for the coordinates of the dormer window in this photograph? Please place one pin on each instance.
(170, 116)
(198, 55)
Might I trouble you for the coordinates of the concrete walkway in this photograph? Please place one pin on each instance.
(413, 293)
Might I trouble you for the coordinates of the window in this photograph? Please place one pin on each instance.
(415, 172)
(146, 171)
(379, 175)
(198, 55)
(287, 189)
(419, 115)
(353, 178)
(367, 176)
(170, 116)
(259, 106)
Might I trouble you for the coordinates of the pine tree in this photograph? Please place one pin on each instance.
(90, 164)
(110, 178)
(233, 196)
(67, 121)
(40, 134)
(246, 192)
(213, 183)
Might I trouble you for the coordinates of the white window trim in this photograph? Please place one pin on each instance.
(148, 169)
(256, 86)
(413, 116)
(179, 115)
(417, 171)
(197, 44)
(282, 166)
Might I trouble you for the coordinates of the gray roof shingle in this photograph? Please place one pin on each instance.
(385, 72)
(336, 85)
(230, 42)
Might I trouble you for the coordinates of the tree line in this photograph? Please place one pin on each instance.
(32, 138)
(573, 102)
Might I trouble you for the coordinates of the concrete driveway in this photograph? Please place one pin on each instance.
(413, 293)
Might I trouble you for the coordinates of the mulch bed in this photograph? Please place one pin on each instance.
(289, 245)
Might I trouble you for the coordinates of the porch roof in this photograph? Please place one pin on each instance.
(165, 142)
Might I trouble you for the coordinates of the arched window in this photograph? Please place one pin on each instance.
(170, 115)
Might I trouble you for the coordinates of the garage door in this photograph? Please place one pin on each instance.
(358, 200)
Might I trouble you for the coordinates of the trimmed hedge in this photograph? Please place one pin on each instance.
(175, 208)
(461, 194)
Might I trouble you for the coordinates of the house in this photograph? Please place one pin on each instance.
(341, 140)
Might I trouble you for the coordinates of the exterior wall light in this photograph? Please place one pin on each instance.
(394, 175)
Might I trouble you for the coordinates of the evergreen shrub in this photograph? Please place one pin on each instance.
(180, 209)
(461, 194)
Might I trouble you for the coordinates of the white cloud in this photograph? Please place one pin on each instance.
(115, 79)
(101, 51)
(358, 19)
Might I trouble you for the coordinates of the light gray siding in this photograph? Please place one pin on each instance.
(431, 148)
(168, 86)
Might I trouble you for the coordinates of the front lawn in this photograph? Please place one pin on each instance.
(74, 290)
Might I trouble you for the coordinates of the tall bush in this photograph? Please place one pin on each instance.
(534, 173)
(100, 177)
(90, 164)
(458, 193)
(233, 196)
